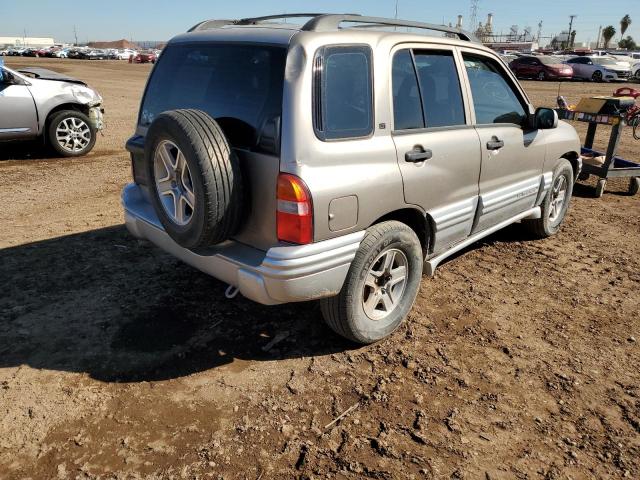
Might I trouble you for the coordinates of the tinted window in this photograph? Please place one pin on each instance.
(238, 85)
(494, 98)
(440, 89)
(343, 92)
(407, 106)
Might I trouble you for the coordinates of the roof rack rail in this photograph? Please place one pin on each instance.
(329, 22)
(211, 24)
(326, 22)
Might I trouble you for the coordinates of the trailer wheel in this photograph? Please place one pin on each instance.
(600, 187)
(634, 185)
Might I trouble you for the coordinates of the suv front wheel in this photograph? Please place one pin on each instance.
(381, 285)
(555, 203)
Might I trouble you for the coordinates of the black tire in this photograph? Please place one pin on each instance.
(600, 186)
(544, 226)
(583, 177)
(597, 76)
(56, 120)
(214, 173)
(345, 313)
(634, 185)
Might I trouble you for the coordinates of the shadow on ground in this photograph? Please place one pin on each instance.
(121, 310)
(25, 150)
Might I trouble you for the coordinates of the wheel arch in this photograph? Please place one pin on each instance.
(78, 107)
(422, 224)
(574, 160)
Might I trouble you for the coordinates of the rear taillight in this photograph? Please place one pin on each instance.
(295, 210)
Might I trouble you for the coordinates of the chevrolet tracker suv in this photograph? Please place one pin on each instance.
(339, 159)
(63, 111)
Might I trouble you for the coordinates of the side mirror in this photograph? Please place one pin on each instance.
(545, 119)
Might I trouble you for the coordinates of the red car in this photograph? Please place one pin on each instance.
(145, 57)
(542, 68)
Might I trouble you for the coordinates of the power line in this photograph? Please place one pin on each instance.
(473, 18)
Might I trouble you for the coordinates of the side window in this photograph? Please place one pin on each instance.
(407, 106)
(426, 93)
(494, 98)
(343, 92)
(440, 87)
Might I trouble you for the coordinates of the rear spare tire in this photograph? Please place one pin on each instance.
(194, 178)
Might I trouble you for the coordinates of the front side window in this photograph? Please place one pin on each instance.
(494, 97)
(343, 92)
(426, 90)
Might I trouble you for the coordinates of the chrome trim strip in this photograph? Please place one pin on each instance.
(14, 130)
(502, 197)
(431, 264)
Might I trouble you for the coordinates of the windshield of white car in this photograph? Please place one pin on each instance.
(606, 61)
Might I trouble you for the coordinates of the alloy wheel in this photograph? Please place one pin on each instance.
(558, 197)
(173, 182)
(385, 284)
(73, 134)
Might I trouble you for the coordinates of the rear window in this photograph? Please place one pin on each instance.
(238, 85)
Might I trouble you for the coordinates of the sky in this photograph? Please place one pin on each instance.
(162, 19)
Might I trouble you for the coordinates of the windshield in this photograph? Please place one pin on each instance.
(237, 84)
(605, 61)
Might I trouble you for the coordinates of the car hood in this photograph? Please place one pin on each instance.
(44, 74)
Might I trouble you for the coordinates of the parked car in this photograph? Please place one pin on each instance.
(63, 111)
(541, 67)
(298, 172)
(599, 69)
(145, 57)
(94, 54)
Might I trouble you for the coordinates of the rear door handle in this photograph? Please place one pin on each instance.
(418, 154)
(495, 144)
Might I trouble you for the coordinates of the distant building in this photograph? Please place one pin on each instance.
(118, 44)
(38, 42)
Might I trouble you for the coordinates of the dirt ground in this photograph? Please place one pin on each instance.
(519, 359)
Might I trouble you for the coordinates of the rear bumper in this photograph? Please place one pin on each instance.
(281, 274)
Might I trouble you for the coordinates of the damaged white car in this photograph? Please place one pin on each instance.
(40, 103)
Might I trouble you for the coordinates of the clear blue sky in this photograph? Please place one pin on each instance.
(161, 19)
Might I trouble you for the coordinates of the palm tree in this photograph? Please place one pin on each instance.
(607, 35)
(624, 24)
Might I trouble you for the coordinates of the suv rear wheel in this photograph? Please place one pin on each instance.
(70, 133)
(381, 285)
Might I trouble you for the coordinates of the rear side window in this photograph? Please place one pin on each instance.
(343, 92)
(238, 85)
(494, 97)
(426, 90)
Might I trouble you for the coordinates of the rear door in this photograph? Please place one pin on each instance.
(18, 117)
(437, 148)
(512, 156)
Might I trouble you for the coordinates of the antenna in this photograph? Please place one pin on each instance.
(473, 17)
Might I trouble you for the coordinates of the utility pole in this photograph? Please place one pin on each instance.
(473, 18)
(569, 40)
(599, 37)
(539, 31)
(396, 14)
(75, 34)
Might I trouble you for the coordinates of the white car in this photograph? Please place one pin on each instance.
(599, 69)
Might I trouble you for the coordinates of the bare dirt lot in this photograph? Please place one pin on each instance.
(521, 358)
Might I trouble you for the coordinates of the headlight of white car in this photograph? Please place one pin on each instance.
(85, 94)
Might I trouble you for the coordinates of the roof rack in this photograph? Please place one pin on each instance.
(326, 22)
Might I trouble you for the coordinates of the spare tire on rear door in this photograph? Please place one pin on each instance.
(194, 178)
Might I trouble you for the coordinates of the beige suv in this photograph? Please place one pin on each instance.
(339, 159)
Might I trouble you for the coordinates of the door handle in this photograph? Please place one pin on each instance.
(495, 144)
(418, 154)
